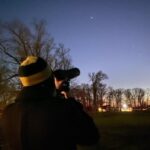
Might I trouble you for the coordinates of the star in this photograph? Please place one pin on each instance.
(91, 17)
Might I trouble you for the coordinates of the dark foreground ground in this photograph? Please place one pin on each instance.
(124, 131)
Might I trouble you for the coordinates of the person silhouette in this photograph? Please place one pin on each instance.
(39, 119)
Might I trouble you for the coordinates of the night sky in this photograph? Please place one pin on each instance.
(108, 35)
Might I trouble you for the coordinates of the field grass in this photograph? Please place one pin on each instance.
(124, 131)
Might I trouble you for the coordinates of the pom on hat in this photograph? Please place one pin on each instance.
(34, 70)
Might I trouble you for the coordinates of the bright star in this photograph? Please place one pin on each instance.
(91, 17)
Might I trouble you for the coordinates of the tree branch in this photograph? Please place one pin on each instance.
(12, 76)
(3, 48)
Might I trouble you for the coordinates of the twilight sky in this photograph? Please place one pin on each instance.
(108, 35)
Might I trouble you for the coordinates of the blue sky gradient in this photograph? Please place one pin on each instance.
(108, 35)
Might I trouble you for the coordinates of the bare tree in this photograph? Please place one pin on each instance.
(83, 94)
(118, 97)
(3, 83)
(87, 94)
(96, 79)
(6, 88)
(139, 96)
(62, 58)
(110, 96)
(101, 93)
(147, 94)
(18, 40)
(129, 97)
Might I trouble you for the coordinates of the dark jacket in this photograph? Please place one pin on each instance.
(38, 121)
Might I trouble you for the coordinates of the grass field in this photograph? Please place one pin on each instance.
(124, 131)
